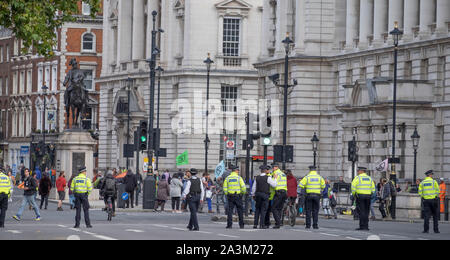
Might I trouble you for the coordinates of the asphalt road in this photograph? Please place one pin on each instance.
(57, 225)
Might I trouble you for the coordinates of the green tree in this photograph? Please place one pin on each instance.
(35, 21)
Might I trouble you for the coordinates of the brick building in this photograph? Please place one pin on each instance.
(22, 76)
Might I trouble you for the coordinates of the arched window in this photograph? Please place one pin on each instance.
(88, 42)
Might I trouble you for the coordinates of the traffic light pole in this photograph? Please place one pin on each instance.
(247, 157)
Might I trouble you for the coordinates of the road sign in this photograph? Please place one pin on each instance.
(230, 144)
(230, 154)
(125, 196)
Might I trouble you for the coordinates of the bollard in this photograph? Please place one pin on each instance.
(446, 209)
(149, 194)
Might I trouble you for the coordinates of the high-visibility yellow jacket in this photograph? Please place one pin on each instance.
(81, 184)
(5, 184)
(363, 185)
(234, 184)
(313, 183)
(429, 188)
(281, 182)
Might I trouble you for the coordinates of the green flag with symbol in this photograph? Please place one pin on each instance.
(183, 159)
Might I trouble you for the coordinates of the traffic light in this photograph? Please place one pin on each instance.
(266, 141)
(143, 135)
(352, 151)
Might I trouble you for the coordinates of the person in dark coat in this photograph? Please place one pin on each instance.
(45, 185)
(163, 192)
(130, 181)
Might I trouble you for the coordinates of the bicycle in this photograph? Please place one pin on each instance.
(109, 208)
(290, 211)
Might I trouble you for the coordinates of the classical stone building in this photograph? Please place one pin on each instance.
(343, 59)
(229, 30)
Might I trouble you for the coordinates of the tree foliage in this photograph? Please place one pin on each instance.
(36, 21)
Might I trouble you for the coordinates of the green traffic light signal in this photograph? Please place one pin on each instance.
(143, 138)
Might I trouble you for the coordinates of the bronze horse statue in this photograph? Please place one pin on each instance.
(75, 96)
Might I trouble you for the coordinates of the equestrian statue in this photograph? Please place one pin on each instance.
(75, 95)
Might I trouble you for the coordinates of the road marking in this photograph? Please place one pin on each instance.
(104, 237)
(204, 232)
(163, 226)
(373, 237)
(14, 231)
(181, 229)
(73, 237)
(332, 235)
(353, 238)
(135, 230)
(223, 235)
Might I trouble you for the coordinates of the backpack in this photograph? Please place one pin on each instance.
(110, 185)
(393, 189)
(333, 202)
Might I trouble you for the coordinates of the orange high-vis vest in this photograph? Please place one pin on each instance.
(443, 189)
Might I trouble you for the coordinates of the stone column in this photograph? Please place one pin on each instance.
(380, 25)
(265, 31)
(245, 36)
(124, 31)
(442, 16)
(427, 15)
(220, 38)
(281, 26)
(352, 23)
(299, 26)
(395, 14)
(138, 30)
(411, 18)
(365, 22)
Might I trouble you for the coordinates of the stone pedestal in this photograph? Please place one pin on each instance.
(75, 149)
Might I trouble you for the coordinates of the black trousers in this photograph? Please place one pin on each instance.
(278, 202)
(130, 198)
(3, 208)
(113, 201)
(312, 208)
(393, 206)
(235, 201)
(269, 210)
(261, 206)
(363, 205)
(193, 203)
(81, 200)
(431, 209)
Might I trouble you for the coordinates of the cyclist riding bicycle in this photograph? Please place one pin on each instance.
(108, 190)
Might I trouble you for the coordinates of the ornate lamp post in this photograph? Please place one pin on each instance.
(415, 138)
(159, 71)
(287, 46)
(208, 63)
(315, 145)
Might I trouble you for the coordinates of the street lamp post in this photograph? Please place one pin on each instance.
(44, 89)
(396, 33)
(208, 63)
(315, 144)
(415, 138)
(287, 46)
(159, 70)
(128, 120)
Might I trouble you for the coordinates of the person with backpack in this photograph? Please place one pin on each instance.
(108, 189)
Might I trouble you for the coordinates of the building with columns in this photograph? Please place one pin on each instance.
(343, 59)
(227, 29)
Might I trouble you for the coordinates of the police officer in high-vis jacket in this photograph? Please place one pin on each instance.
(429, 192)
(234, 188)
(362, 189)
(5, 193)
(313, 184)
(81, 187)
(280, 195)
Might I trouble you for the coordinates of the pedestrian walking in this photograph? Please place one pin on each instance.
(208, 185)
(71, 195)
(5, 193)
(30, 186)
(362, 188)
(61, 184)
(301, 200)
(192, 193)
(163, 192)
(81, 187)
(130, 181)
(280, 195)
(261, 191)
(442, 194)
(176, 187)
(138, 186)
(429, 192)
(12, 180)
(326, 199)
(313, 184)
(45, 185)
(234, 188)
(385, 198)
